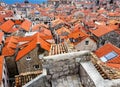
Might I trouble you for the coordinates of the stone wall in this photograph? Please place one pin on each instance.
(60, 66)
(85, 78)
(56, 69)
(111, 37)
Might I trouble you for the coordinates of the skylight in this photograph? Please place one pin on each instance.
(108, 56)
(103, 59)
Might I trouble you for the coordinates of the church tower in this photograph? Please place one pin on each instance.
(26, 2)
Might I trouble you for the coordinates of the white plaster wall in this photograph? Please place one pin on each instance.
(91, 46)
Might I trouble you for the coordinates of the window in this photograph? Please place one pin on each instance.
(36, 66)
(28, 58)
(86, 42)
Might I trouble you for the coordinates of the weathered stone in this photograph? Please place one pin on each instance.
(61, 74)
(65, 67)
(76, 70)
(47, 66)
(59, 69)
(59, 63)
(77, 64)
(72, 66)
(71, 71)
(51, 71)
(48, 77)
(55, 76)
(66, 72)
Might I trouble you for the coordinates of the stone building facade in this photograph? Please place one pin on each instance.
(112, 37)
(30, 62)
(86, 44)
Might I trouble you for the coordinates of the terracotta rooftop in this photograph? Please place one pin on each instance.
(26, 25)
(13, 30)
(10, 46)
(106, 49)
(7, 26)
(78, 33)
(33, 41)
(1, 67)
(56, 22)
(38, 26)
(1, 37)
(110, 52)
(2, 18)
(102, 30)
(62, 30)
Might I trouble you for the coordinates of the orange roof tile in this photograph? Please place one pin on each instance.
(12, 30)
(115, 60)
(56, 22)
(117, 66)
(32, 44)
(26, 50)
(106, 49)
(18, 22)
(1, 37)
(77, 34)
(38, 26)
(102, 30)
(62, 30)
(1, 67)
(44, 44)
(7, 26)
(10, 46)
(2, 18)
(8, 51)
(46, 37)
(26, 25)
(114, 14)
(28, 38)
(77, 27)
(46, 32)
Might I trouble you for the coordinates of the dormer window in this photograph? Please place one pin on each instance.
(28, 58)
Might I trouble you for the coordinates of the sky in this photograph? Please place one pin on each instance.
(20, 1)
